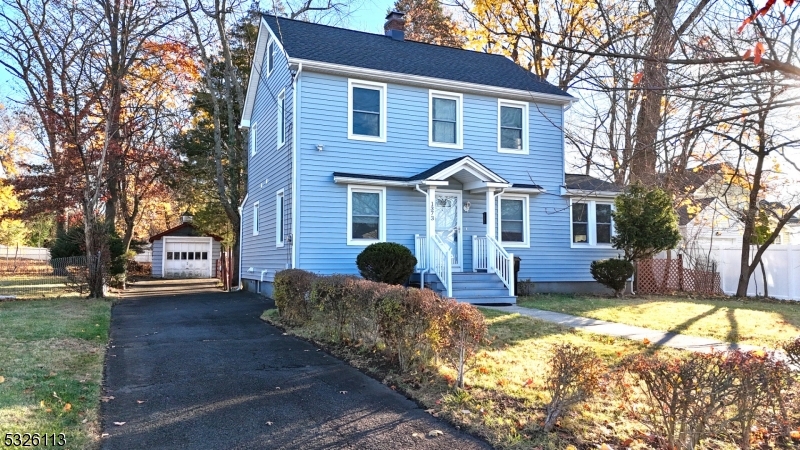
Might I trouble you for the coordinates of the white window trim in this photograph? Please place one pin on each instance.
(459, 98)
(525, 132)
(381, 222)
(591, 238)
(255, 219)
(279, 219)
(270, 50)
(351, 83)
(281, 118)
(253, 148)
(526, 221)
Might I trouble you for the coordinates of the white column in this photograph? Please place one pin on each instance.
(431, 213)
(490, 216)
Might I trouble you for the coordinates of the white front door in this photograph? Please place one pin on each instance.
(448, 223)
(187, 258)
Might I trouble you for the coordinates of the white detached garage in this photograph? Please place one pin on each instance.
(184, 252)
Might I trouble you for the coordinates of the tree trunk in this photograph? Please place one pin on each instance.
(745, 268)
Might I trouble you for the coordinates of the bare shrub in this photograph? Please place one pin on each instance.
(331, 296)
(456, 332)
(686, 397)
(574, 377)
(292, 290)
(792, 349)
(760, 383)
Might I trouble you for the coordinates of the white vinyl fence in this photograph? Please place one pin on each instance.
(781, 264)
(35, 253)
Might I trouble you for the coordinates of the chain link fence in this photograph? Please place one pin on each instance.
(36, 278)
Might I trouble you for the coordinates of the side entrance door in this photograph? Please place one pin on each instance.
(448, 224)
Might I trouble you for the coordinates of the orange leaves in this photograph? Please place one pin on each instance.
(483, 370)
(503, 382)
(638, 78)
(759, 50)
(646, 341)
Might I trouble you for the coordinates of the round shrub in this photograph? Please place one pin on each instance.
(612, 273)
(386, 262)
(292, 289)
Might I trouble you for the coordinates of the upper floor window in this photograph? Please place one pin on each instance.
(270, 57)
(253, 140)
(514, 220)
(366, 215)
(512, 127)
(281, 118)
(366, 111)
(445, 113)
(592, 223)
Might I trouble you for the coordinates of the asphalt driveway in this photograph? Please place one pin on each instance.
(201, 370)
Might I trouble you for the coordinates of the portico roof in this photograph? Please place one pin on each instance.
(472, 174)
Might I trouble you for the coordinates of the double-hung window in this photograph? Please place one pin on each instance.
(592, 223)
(279, 208)
(366, 215)
(512, 127)
(366, 111)
(446, 119)
(255, 219)
(514, 220)
(270, 57)
(253, 140)
(281, 119)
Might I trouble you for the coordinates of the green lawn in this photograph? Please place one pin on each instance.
(741, 321)
(51, 364)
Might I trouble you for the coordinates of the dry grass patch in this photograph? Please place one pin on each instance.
(754, 322)
(52, 367)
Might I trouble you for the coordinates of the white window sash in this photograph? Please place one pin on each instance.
(255, 219)
(525, 125)
(381, 219)
(382, 132)
(281, 119)
(459, 98)
(526, 221)
(279, 219)
(591, 224)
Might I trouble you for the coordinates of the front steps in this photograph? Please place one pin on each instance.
(474, 287)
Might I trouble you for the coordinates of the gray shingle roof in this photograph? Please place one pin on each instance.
(589, 183)
(304, 40)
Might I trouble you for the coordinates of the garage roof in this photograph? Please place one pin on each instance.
(184, 229)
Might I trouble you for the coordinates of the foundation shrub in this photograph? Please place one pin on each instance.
(457, 331)
(574, 376)
(292, 291)
(686, 398)
(363, 297)
(386, 262)
(612, 273)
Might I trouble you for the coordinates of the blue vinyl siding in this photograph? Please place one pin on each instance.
(322, 206)
(269, 171)
(157, 269)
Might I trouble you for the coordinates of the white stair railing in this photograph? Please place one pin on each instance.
(480, 260)
(441, 263)
(421, 252)
(501, 262)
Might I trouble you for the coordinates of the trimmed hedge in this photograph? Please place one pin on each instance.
(292, 290)
(612, 273)
(386, 262)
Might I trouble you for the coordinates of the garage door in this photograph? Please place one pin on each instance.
(187, 259)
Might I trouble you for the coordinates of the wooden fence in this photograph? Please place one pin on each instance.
(659, 276)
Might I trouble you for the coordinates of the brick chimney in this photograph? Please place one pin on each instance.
(395, 25)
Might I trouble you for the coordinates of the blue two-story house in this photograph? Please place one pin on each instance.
(358, 138)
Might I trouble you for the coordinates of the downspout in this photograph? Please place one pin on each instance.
(241, 228)
(262, 274)
(425, 270)
(295, 126)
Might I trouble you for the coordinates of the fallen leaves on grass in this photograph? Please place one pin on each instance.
(67, 407)
(2, 380)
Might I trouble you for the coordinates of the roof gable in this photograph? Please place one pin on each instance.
(184, 229)
(326, 44)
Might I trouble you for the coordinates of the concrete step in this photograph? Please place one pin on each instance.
(499, 300)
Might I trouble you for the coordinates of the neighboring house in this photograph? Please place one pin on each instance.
(185, 252)
(358, 138)
(709, 213)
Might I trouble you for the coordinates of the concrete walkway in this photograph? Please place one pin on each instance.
(667, 339)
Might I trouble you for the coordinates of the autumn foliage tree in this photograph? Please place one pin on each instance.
(427, 21)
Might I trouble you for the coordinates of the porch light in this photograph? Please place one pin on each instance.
(466, 206)
(187, 217)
